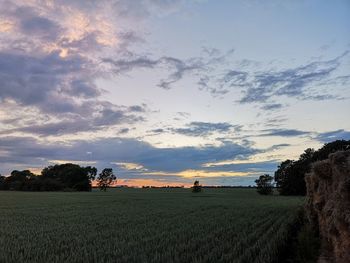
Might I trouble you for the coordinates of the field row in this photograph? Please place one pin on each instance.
(144, 225)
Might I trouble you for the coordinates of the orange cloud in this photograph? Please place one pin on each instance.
(131, 166)
(6, 26)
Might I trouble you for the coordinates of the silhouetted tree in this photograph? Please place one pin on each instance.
(40, 183)
(196, 188)
(105, 179)
(3, 185)
(91, 172)
(18, 180)
(328, 148)
(290, 175)
(53, 178)
(69, 176)
(264, 184)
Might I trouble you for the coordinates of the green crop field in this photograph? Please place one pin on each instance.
(144, 225)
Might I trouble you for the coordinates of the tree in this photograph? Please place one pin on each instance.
(91, 172)
(264, 184)
(66, 176)
(196, 188)
(328, 148)
(106, 178)
(3, 185)
(18, 180)
(69, 176)
(290, 175)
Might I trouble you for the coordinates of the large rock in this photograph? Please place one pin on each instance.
(328, 205)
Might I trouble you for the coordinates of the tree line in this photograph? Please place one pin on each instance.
(60, 177)
(289, 178)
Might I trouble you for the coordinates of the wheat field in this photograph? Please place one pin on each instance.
(145, 225)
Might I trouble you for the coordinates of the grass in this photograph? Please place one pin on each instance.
(145, 225)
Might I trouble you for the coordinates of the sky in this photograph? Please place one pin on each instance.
(166, 92)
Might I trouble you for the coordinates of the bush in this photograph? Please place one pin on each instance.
(264, 184)
(196, 188)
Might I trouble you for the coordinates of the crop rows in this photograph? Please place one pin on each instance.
(144, 225)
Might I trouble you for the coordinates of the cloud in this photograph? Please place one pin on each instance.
(197, 128)
(124, 130)
(184, 114)
(198, 67)
(290, 82)
(137, 108)
(134, 159)
(283, 132)
(277, 146)
(252, 167)
(29, 151)
(157, 131)
(333, 135)
(257, 86)
(48, 81)
(110, 116)
(141, 9)
(235, 78)
(177, 67)
(275, 121)
(49, 63)
(125, 65)
(101, 117)
(205, 128)
(81, 32)
(55, 129)
(32, 24)
(180, 69)
(272, 106)
(130, 166)
(53, 55)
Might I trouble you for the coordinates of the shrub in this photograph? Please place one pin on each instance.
(264, 184)
(196, 188)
